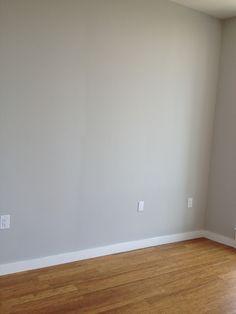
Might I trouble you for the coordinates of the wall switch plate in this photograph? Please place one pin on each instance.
(5, 222)
(140, 206)
(190, 202)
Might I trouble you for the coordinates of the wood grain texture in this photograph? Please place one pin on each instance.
(197, 276)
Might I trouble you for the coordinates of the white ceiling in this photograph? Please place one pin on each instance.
(218, 8)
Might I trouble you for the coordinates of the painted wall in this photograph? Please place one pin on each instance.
(221, 213)
(103, 103)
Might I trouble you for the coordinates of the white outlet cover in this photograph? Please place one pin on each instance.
(5, 222)
(190, 202)
(140, 206)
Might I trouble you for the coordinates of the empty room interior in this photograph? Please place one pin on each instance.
(118, 156)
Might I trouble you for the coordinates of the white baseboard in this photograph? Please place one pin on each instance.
(53, 260)
(96, 252)
(219, 238)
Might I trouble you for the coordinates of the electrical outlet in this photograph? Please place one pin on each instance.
(140, 206)
(190, 202)
(5, 222)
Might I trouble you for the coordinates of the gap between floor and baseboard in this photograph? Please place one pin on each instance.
(53, 260)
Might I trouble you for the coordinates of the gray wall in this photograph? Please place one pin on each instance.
(103, 103)
(221, 214)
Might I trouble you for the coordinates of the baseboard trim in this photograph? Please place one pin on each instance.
(219, 238)
(10, 268)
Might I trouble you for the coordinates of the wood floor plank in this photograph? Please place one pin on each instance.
(197, 276)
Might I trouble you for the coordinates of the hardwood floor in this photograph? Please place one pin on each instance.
(197, 276)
